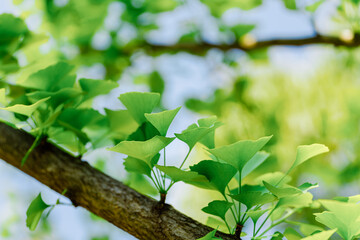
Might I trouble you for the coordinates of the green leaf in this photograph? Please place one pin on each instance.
(162, 120)
(218, 208)
(277, 236)
(144, 150)
(290, 4)
(138, 104)
(194, 134)
(210, 236)
(254, 162)
(11, 28)
(273, 178)
(305, 152)
(144, 132)
(296, 201)
(136, 165)
(241, 29)
(121, 124)
(219, 174)
(292, 234)
(78, 120)
(34, 212)
(2, 97)
(26, 110)
(239, 153)
(52, 78)
(256, 214)
(341, 215)
(141, 184)
(62, 96)
(208, 140)
(313, 7)
(93, 88)
(177, 174)
(307, 229)
(307, 186)
(281, 192)
(253, 198)
(325, 235)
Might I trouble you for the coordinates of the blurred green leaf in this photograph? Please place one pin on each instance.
(313, 7)
(321, 236)
(296, 201)
(93, 88)
(290, 4)
(52, 78)
(281, 192)
(11, 28)
(26, 110)
(34, 212)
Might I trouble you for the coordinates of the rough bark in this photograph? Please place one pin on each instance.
(106, 197)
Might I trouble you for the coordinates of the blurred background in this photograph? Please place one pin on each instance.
(299, 94)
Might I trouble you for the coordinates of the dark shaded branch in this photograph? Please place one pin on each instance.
(253, 45)
(106, 197)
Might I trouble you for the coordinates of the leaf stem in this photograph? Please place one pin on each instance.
(33, 146)
(263, 223)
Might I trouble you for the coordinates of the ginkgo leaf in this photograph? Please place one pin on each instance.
(219, 174)
(177, 174)
(297, 201)
(218, 208)
(136, 165)
(57, 98)
(253, 198)
(325, 235)
(194, 134)
(281, 192)
(273, 178)
(34, 212)
(52, 78)
(256, 214)
(144, 150)
(210, 236)
(254, 162)
(26, 110)
(307, 186)
(239, 153)
(208, 140)
(144, 132)
(138, 103)
(162, 120)
(305, 152)
(93, 88)
(121, 123)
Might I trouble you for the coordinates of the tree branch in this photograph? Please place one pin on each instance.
(201, 48)
(106, 197)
